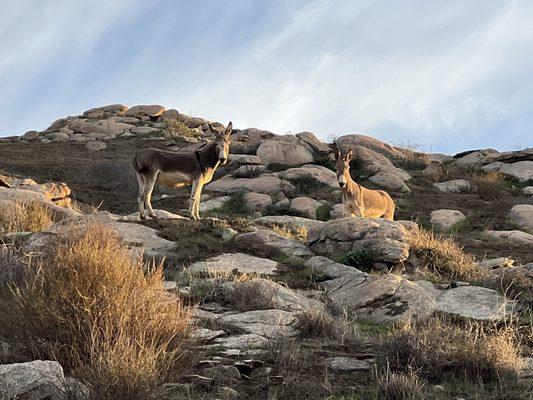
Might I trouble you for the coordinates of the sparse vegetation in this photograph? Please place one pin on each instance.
(102, 314)
(318, 324)
(249, 172)
(292, 232)
(195, 239)
(24, 217)
(489, 185)
(440, 349)
(13, 268)
(300, 277)
(325, 160)
(444, 257)
(254, 294)
(235, 206)
(173, 129)
(361, 259)
(400, 386)
(306, 185)
(413, 158)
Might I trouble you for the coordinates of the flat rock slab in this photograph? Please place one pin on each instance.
(160, 214)
(237, 345)
(515, 236)
(386, 240)
(349, 364)
(289, 221)
(266, 323)
(242, 262)
(521, 170)
(267, 184)
(267, 243)
(475, 302)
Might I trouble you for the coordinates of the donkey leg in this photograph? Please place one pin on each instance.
(193, 199)
(148, 199)
(140, 195)
(198, 196)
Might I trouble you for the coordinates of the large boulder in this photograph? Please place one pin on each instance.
(112, 110)
(257, 201)
(247, 141)
(284, 152)
(318, 146)
(35, 380)
(474, 158)
(145, 111)
(390, 179)
(267, 184)
(108, 126)
(305, 206)
(386, 240)
(266, 243)
(442, 220)
(316, 172)
(510, 156)
(382, 299)
(521, 170)
(522, 216)
(353, 141)
(244, 263)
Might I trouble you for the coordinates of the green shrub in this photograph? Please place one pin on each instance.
(323, 212)
(326, 161)
(174, 129)
(361, 259)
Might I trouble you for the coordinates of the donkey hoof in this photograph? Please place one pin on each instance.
(142, 217)
(153, 216)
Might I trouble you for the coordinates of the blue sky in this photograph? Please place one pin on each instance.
(445, 75)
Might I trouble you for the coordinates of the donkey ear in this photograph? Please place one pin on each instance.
(337, 153)
(349, 155)
(212, 129)
(229, 129)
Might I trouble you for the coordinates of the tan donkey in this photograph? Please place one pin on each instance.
(179, 169)
(357, 200)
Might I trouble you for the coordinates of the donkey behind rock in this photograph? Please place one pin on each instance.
(359, 201)
(179, 170)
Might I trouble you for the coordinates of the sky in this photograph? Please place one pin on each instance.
(439, 75)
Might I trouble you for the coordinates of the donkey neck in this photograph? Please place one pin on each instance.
(207, 157)
(352, 186)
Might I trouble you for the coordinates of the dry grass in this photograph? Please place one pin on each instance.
(399, 386)
(413, 159)
(444, 257)
(318, 324)
(13, 269)
(24, 217)
(102, 314)
(173, 129)
(489, 185)
(255, 294)
(297, 232)
(439, 348)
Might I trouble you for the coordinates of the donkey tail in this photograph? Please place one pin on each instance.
(137, 167)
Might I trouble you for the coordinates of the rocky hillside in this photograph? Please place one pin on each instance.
(287, 298)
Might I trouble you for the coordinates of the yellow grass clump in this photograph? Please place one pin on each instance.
(443, 257)
(103, 314)
(24, 217)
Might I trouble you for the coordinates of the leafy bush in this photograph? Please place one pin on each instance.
(361, 259)
(102, 313)
(25, 217)
(440, 349)
(323, 212)
(444, 257)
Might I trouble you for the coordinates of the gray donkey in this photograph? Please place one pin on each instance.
(180, 169)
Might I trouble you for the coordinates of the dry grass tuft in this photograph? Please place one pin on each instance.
(13, 269)
(318, 324)
(296, 232)
(399, 386)
(444, 257)
(24, 217)
(102, 314)
(173, 129)
(439, 348)
(489, 184)
(255, 294)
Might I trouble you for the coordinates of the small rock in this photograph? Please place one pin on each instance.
(349, 364)
(95, 146)
(222, 373)
(443, 220)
